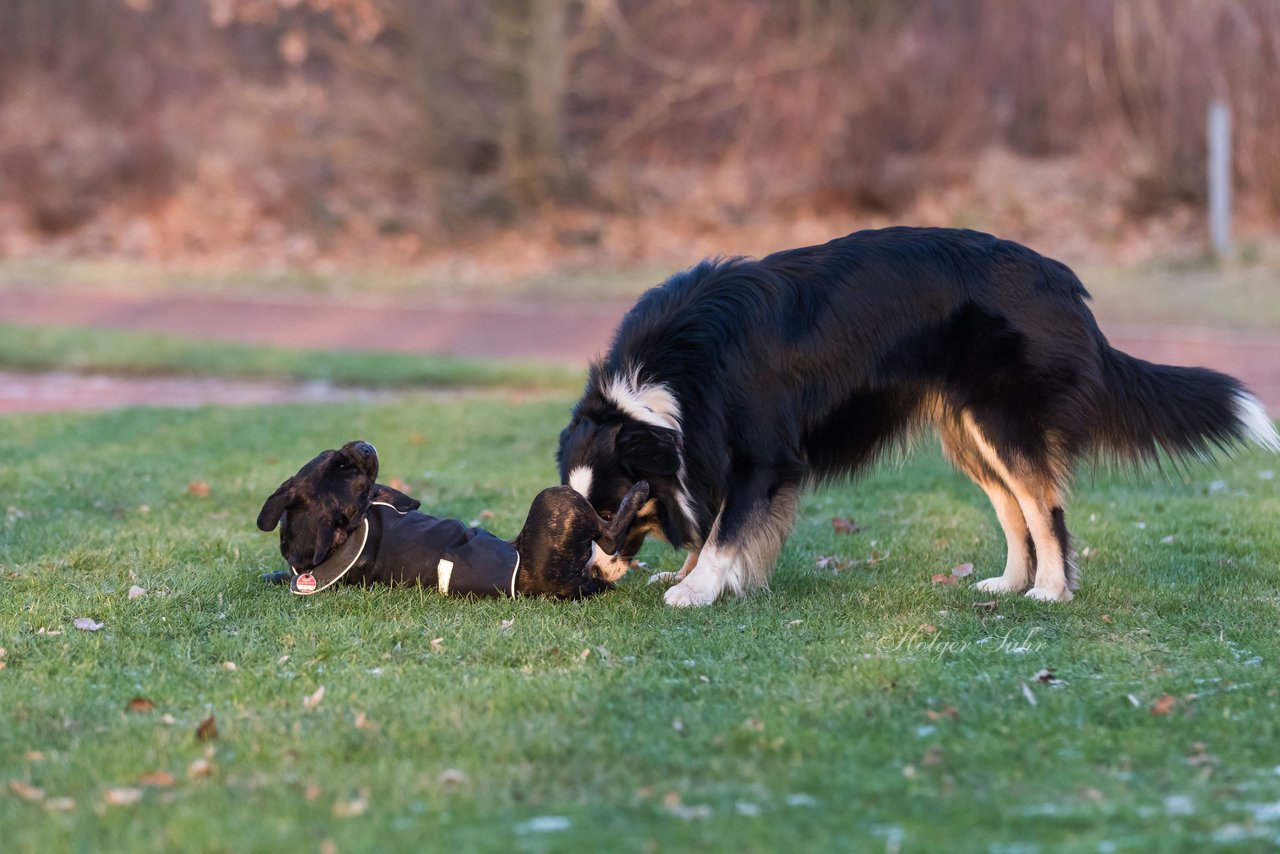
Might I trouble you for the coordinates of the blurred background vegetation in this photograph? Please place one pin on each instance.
(484, 138)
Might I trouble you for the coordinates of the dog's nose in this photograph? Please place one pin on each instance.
(366, 449)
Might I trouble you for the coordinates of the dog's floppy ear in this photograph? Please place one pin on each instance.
(324, 542)
(646, 450)
(397, 499)
(275, 506)
(615, 531)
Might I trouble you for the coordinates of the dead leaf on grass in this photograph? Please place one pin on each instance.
(585, 654)
(943, 578)
(33, 756)
(123, 796)
(832, 563)
(989, 605)
(452, 777)
(60, 804)
(201, 767)
(86, 624)
(157, 779)
(1163, 705)
(140, 705)
(842, 525)
(948, 712)
(26, 791)
(351, 808)
(1026, 692)
(363, 722)
(311, 702)
(506, 624)
(1046, 677)
(135, 591)
(198, 488)
(208, 729)
(962, 570)
(437, 643)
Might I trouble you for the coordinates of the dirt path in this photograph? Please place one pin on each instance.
(553, 331)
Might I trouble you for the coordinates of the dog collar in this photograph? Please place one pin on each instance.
(336, 565)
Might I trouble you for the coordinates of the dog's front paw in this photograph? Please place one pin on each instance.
(1049, 594)
(685, 595)
(998, 584)
(664, 578)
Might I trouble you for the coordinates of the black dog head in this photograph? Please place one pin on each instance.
(564, 539)
(603, 457)
(325, 502)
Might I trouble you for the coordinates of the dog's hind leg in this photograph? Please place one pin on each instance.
(1039, 493)
(1020, 562)
(745, 540)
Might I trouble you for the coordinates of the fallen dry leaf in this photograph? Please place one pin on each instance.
(135, 591)
(830, 562)
(585, 654)
(157, 779)
(928, 628)
(363, 722)
(228, 665)
(963, 570)
(123, 796)
(1046, 677)
(1164, 705)
(200, 767)
(208, 729)
(989, 605)
(486, 514)
(311, 702)
(398, 485)
(168, 719)
(506, 624)
(842, 525)
(87, 624)
(1026, 692)
(33, 756)
(352, 808)
(140, 704)
(452, 777)
(60, 804)
(26, 791)
(437, 643)
(948, 712)
(943, 578)
(198, 488)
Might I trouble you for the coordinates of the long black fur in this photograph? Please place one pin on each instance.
(808, 364)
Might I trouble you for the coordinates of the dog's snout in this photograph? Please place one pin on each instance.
(366, 449)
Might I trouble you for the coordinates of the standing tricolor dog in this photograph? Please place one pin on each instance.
(738, 383)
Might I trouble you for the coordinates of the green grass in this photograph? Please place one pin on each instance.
(798, 718)
(139, 353)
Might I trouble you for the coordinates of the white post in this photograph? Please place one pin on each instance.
(1220, 177)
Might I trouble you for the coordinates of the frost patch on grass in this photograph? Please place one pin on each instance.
(544, 824)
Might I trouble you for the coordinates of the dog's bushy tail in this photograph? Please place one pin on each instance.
(1147, 408)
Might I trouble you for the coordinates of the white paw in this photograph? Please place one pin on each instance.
(685, 595)
(1048, 594)
(664, 578)
(995, 585)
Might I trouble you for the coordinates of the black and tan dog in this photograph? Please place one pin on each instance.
(339, 525)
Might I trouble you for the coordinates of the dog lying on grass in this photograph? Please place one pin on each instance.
(339, 525)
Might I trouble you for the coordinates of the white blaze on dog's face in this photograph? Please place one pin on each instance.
(607, 566)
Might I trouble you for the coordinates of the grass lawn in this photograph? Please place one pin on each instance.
(860, 709)
(36, 348)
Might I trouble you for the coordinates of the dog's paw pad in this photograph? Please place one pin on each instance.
(1046, 594)
(685, 596)
(995, 585)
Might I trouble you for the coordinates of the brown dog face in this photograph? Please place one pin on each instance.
(325, 502)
